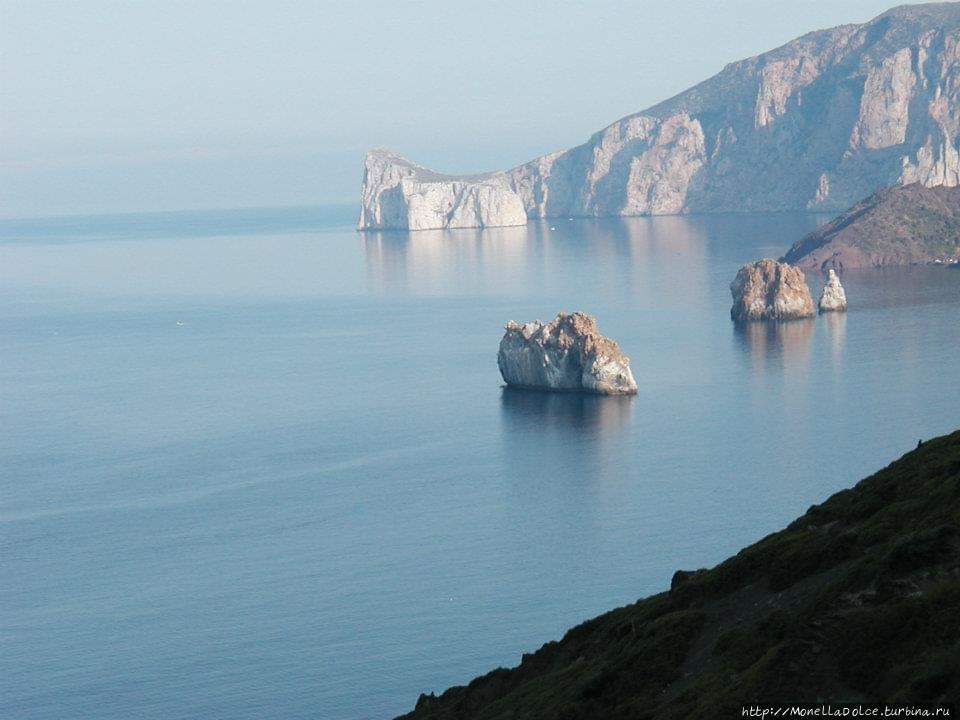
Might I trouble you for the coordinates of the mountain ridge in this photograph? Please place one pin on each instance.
(815, 124)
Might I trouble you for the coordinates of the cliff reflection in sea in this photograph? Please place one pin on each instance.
(891, 287)
(622, 259)
(782, 344)
(437, 262)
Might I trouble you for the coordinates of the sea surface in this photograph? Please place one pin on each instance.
(256, 464)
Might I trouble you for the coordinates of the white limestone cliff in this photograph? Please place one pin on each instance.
(397, 194)
(818, 123)
(885, 103)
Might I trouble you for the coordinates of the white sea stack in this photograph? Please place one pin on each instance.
(770, 290)
(567, 354)
(833, 298)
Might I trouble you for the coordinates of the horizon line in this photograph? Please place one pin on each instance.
(343, 205)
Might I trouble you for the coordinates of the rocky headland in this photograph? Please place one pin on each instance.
(833, 298)
(770, 290)
(856, 601)
(398, 194)
(894, 226)
(567, 354)
(816, 124)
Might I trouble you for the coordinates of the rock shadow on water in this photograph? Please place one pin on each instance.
(783, 343)
(567, 414)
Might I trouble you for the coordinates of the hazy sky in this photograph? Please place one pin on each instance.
(123, 106)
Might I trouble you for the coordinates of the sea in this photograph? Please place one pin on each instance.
(256, 464)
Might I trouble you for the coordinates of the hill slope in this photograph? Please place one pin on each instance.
(894, 226)
(818, 123)
(857, 600)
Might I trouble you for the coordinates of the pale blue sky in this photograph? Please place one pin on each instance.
(122, 106)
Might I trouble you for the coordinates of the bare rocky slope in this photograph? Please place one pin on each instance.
(858, 600)
(816, 124)
(894, 226)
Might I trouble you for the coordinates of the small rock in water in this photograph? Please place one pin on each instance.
(770, 290)
(833, 298)
(566, 354)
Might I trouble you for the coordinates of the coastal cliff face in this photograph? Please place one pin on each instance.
(398, 194)
(567, 354)
(894, 226)
(816, 124)
(770, 290)
(858, 600)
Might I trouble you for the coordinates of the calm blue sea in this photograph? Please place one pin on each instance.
(255, 464)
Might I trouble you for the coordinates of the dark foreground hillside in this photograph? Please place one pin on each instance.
(858, 600)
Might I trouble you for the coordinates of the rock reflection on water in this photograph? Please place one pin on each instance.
(526, 411)
(571, 438)
(835, 324)
(781, 344)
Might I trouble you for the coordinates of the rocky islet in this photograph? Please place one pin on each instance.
(567, 354)
(770, 290)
